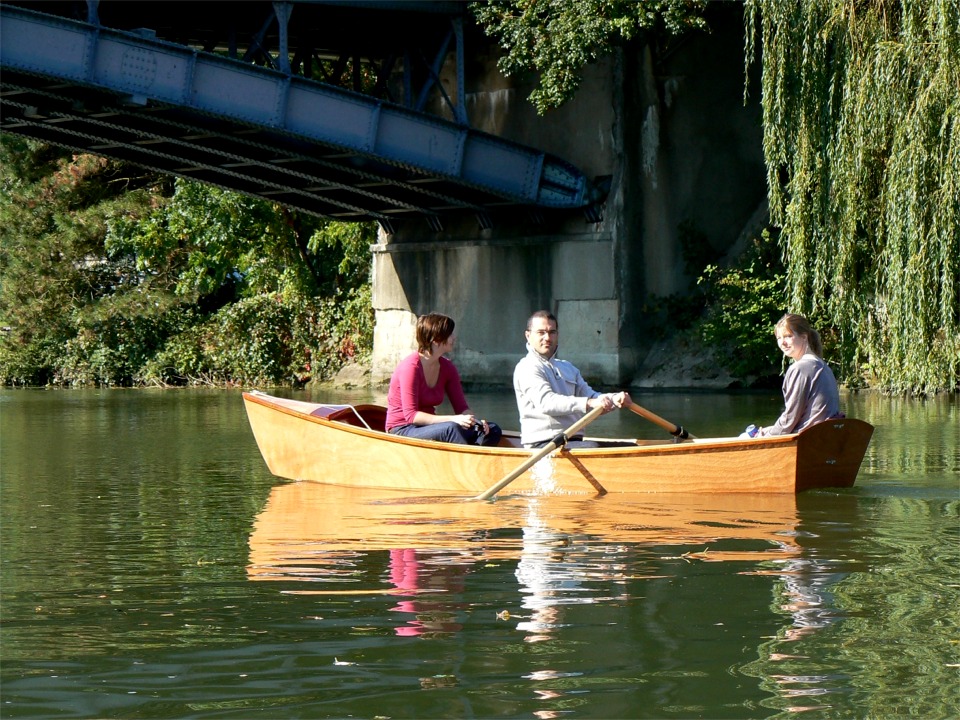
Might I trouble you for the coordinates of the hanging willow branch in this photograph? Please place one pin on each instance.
(861, 104)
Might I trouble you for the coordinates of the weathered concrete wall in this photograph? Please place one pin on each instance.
(670, 127)
(490, 287)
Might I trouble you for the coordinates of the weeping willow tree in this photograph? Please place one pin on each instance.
(861, 103)
(861, 110)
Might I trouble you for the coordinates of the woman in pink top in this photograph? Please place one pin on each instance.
(420, 383)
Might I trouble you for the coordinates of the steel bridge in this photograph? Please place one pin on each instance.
(332, 107)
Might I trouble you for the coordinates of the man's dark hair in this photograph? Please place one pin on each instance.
(546, 314)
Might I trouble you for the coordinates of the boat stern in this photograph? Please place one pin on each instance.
(829, 454)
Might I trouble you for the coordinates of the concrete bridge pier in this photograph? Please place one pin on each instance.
(669, 128)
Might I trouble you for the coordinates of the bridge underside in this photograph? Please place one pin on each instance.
(227, 94)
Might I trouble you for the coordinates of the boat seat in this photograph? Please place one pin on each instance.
(374, 415)
(376, 418)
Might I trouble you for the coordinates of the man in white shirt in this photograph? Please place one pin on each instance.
(551, 393)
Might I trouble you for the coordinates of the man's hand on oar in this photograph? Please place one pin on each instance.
(678, 431)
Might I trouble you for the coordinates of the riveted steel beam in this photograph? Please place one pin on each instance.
(261, 130)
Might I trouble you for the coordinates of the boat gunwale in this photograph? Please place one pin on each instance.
(265, 400)
(696, 446)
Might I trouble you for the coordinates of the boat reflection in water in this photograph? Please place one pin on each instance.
(327, 540)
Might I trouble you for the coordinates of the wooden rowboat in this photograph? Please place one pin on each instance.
(346, 445)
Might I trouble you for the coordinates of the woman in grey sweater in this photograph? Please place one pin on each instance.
(810, 392)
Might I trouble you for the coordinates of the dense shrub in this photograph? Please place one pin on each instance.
(743, 303)
(110, 276)
(267, 340)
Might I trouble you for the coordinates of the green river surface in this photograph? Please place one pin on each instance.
(153, 568)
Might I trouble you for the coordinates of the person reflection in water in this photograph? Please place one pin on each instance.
(808, 595)
(553, 572)
(417, 574)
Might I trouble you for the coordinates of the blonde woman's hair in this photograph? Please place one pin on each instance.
(799, 325)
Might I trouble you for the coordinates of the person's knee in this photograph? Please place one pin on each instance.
(493, 435)
(451, 432)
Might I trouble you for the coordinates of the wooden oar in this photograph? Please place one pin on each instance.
(557, 442)
(678, 431)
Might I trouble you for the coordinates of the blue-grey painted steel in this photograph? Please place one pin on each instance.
(244, 161)
(149, 71)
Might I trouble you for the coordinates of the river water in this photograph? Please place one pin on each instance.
(153, 568)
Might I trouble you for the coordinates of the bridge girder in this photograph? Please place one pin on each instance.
(180, 99)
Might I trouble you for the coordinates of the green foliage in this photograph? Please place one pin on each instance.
(861, 104)
(110, 276)
(348, 242)
(111, 350)
(744, 302)
(58, 289)
(268, 340)
(557, 38)
(206, 239)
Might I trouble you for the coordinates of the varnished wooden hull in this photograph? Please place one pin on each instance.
(299, 444)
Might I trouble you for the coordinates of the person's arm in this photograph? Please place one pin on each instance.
(407, 374)
(796, 391)
(464, 420)
(581, 388)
